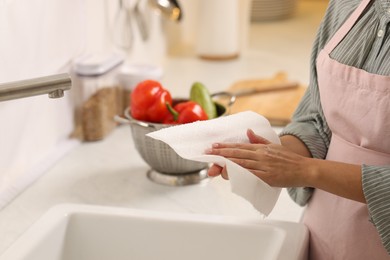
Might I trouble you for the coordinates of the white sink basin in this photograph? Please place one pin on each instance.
(80, 232)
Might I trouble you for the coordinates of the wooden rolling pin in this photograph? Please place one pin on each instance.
(269, 88)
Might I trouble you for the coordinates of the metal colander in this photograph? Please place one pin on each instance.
(157, 154)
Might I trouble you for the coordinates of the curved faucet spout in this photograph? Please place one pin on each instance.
(53, 85)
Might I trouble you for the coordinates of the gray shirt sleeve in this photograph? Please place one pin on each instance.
(309, 123)
(376, 188)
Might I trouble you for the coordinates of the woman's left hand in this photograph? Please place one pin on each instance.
(273, 163)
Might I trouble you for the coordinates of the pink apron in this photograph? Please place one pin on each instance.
(356, 106)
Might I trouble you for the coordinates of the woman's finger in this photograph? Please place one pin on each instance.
(224, 173)
(239, 153)
(214, 170)
(256, 139)
(247, 146)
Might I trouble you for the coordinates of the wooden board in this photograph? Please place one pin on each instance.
(277, 106)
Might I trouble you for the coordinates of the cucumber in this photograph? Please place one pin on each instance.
(201, 95)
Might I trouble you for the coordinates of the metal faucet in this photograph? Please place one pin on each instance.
(54, 85)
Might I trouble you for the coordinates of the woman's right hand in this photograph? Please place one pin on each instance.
(216, 170)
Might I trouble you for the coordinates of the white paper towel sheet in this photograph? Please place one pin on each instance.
(191, 140)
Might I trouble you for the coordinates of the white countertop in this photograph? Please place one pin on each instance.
(111, 173)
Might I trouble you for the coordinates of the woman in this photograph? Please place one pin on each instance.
(335, 155)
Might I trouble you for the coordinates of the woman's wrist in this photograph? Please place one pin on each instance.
(341, 179)
(311, 172)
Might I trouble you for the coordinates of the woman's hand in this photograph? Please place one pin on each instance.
(290, 165)
(274, 164)
(216, 170)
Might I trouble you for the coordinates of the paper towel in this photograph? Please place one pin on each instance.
(191, 140)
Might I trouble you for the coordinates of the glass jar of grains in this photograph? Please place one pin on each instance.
(99, 97)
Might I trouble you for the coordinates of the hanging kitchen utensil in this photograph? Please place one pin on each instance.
(140, 18)
(180, 10)
(169, 9)
(122, 34)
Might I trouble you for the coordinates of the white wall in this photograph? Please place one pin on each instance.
(37, 38)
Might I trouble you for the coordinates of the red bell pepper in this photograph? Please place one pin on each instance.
(148, 102)
(185, 112)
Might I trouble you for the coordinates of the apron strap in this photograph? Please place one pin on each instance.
(346, 27)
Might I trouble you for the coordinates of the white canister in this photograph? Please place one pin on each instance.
(218, 36)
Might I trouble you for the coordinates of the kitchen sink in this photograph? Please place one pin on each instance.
(86, 232)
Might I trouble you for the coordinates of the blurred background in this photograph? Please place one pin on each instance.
(218, 42)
